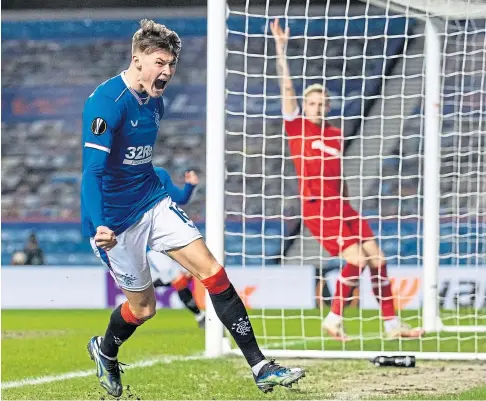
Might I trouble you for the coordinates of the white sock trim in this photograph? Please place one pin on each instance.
(392, 324)
(333, 318)
(256, 369)
(108, 357)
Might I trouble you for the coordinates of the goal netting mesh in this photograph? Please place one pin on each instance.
(372, 60)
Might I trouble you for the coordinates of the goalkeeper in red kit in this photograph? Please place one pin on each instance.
(316, 150)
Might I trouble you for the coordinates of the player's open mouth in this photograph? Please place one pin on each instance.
(160, 84)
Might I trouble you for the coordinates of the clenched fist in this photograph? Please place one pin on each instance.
(191, 177)
(105, 238)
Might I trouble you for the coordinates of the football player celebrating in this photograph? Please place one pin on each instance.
(125, 208)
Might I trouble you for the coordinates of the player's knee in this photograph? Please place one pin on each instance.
(356, 260)
(376, 257)
(361, 262)
(143, 309)
(378, 260)
(382, 258)
(355, 256)
(146, 313)
(149, 314)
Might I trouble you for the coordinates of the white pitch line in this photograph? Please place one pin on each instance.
(83, 373)
(367, 337)
(140, 364)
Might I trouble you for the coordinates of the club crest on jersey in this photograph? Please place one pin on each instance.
(157, 118)
(98, 126)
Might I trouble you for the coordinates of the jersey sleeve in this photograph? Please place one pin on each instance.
(292, 116)
(178, 195)
(94, 162)
(293, 124)
(184, 194)
(162, 174)
(101, 119)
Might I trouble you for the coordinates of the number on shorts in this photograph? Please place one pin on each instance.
(182, 215)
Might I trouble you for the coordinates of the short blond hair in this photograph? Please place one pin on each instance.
(153, 36)
(315, 88)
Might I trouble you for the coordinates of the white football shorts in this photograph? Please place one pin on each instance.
(162, 228)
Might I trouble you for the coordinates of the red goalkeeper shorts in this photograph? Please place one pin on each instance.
(336, 225)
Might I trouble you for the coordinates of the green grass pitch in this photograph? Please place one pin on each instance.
(165, 358)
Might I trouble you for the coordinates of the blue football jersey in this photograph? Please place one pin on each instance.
(119, 183)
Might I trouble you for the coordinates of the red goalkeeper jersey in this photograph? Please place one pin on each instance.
(316, 152)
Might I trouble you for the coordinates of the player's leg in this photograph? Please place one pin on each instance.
(128, 265)
(167, 272)
(185, 245)
(197, 258)
(382, 289)
(348, 279)
(124, 320)
(326, 225)
(181, 285)
(380, 282)
(163, 268)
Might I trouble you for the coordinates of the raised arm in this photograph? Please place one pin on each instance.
(180, 196)
(287, 90)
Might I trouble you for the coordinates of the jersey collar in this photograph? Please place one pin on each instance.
(133, 91)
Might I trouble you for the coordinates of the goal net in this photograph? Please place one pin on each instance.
(407, 88)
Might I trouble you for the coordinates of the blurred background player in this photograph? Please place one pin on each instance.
(165, 270)
(31, 255)
(316, 149)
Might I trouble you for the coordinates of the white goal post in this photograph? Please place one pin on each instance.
(215, 166)
(435, 15)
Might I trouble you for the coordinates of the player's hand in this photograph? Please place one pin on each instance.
(105, 238)
(191, 177)
(280, 36)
